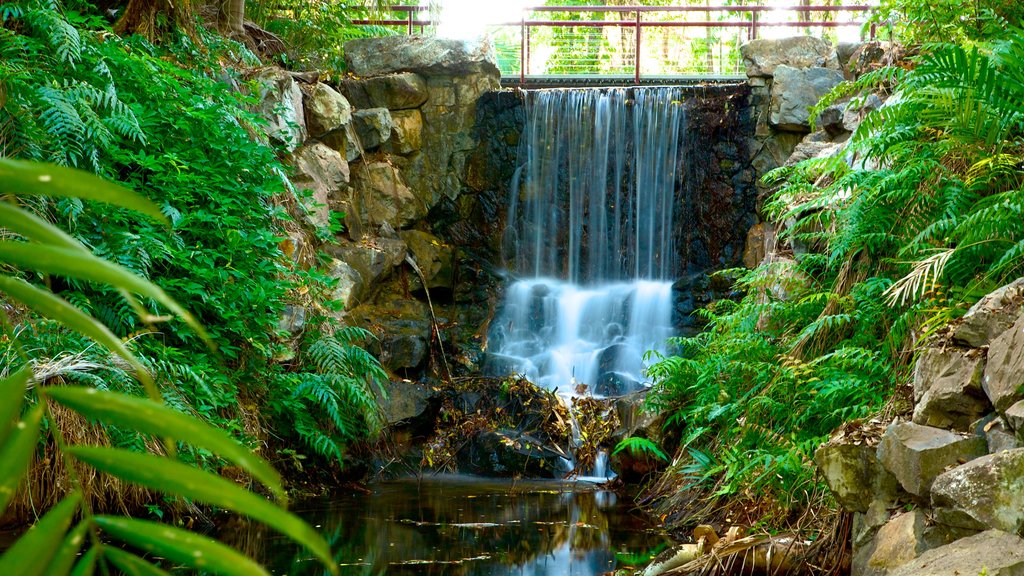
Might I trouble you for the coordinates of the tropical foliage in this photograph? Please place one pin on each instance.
(914, 220)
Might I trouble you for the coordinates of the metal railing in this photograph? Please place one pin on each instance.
(640, 42)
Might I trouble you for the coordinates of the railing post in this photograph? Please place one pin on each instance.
(753, 24)
(523, 60)
(636, 55)
(412, 18)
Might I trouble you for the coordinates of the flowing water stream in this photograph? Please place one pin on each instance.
(590, 239)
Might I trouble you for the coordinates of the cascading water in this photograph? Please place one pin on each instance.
(591, 238)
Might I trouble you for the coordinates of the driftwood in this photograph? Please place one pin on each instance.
(709, 554)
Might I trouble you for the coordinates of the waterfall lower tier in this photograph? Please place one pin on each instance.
(563, 337)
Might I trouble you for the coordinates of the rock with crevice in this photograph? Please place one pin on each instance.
(319, 178)
(990, 316)
(995, 552)
(349, 283)
(854, 475)
(947, 388)
(989, 490)
(763, 56)
(795, 91)
(406, 132)
(379, 196)
(402, 91)
(373, 126)
(917, 454)
(433, 257)
(899, 541)
(1004, 370)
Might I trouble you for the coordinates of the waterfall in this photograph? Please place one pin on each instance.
(590, 237)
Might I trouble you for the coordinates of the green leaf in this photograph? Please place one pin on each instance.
(86, 566)
(76, 264)
(66, 555)
(17, 453)
(154, 418)
(177, 545)
(37, 179)
(12, 391)
(131, 564)
(31, 554)
(48, 305)
(179, 479)
(35, 228)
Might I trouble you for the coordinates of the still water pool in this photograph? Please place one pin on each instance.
(464, 526)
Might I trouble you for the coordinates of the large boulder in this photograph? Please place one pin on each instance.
(916, 454)
(1004, 370)
(372, 260)
(403, 330)
(423, 54)
(326, 110)
(373, 126)
(854, 475)
(947, 388)
(380, 196)
(280, 104)
(994, 552)
(403, 400)
(349, 283)
(795, 91)
(396, 91)
(433, 257)
(990, 316)
(511, 453)
(989, 490)
(897, 542)
(763, 56)
(320, 175)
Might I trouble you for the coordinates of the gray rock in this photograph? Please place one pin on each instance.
(795, 91)
(1015, 418)
(854, 475)
(403, 400)
(293, 319)
(806, 150)
(373, 261)
(280, 104)
(1004, 370)
(427, 55)
(831, 120)
(319, 177)
(326, 110)
(999, 435)
(345, 141)
(844, 50)
(995, 552)
(403, 352)
(857, 110)
(897, 542)
(407, 131)
(433, 257)
(989, 490)
(397, 91)
(349, 285)
(373, 126)
(947, 388)
(990, 316)
(916, 454)
(763, 56)
(380, 196)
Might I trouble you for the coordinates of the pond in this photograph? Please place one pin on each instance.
(455, 525)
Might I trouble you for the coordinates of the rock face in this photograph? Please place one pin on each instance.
(854, 474)
(280, 103)
(916, 454)
(1004, 372)
(947, 388)
(379, 56)
(763, 56)
(990, 316)
(404, 91)
(989, 490)
(373, 126)
(795, 91)
(319, 179)
(995, 552)
(379, 196)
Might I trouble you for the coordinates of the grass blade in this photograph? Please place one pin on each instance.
(181, 546)
(35, 228)
(37, 179)
(179, 479)
(66, 555)
(86, 566)
(154, 418)
(16, 454)
(12, 392)
(31, 554)
(130, 564)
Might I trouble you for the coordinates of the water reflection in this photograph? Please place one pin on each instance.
(460, 526)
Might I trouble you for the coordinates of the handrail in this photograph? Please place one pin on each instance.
(750, 19)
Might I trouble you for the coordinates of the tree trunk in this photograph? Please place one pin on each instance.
(153, 19)
(231, 19)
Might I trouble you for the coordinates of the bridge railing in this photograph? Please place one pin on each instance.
(642, 43)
